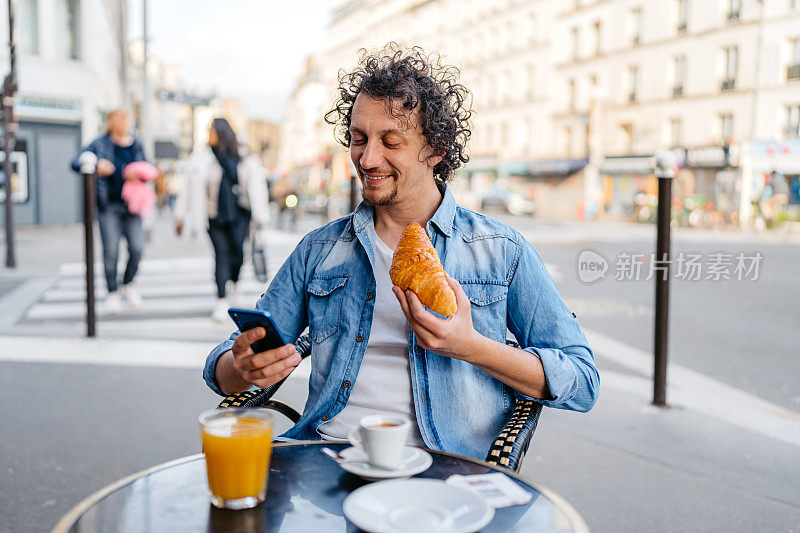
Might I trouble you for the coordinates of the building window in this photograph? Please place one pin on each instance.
(635, 25)
(683, 15)
(531, 81)
(532, 25)
(793, 70)
(734, 10)
(575, 40)
(633, 84)
(571, 95)
(731, 55)
(675, 132)
(627, 137)
(598, 35)
(68, 32)
(792, 128)
(567, 141)
(726, 127)
(680, 76)
(27, 15)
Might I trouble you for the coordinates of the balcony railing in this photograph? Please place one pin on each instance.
(791, 131)
(632, 98)
(636, 40)
(677, 91)
(728, 84)
(793, 72)
(733, 15)
(682, 27)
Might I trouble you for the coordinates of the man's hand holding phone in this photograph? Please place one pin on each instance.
(265, 368)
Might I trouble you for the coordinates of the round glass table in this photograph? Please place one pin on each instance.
(305, 493)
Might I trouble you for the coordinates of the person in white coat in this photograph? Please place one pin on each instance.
(226, 185)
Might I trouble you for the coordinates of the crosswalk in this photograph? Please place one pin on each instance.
(178, 296)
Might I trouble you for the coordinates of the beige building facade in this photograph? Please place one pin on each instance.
(573, 98)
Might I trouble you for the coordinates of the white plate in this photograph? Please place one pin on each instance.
(413, 462)
(416, 505)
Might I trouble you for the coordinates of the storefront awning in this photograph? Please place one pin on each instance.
(556, 167)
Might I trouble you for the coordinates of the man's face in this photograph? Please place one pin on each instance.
(119, 124)
(389, 152)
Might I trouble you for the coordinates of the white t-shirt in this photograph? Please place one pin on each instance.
(383, 384)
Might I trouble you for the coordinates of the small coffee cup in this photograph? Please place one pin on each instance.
(382, 438)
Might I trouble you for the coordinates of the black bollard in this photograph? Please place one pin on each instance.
(88, 162)
(664, 171)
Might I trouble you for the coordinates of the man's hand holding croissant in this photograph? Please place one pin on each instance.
(455, 337)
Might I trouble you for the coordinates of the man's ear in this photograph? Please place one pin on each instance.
(435, 159)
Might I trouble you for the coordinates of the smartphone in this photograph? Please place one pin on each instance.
(248, 319)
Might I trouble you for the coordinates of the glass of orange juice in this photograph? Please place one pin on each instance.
(238, 445)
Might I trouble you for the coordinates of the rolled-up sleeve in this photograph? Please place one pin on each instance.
(209, 372)
(284, 300)
(545, 327)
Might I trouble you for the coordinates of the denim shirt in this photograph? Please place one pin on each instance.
(327, 285)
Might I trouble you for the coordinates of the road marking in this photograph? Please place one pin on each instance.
(113, 352)
(695, 391)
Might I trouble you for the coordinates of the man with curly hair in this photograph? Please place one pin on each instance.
(405, 119)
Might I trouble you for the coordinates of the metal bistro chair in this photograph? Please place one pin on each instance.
(507, 450)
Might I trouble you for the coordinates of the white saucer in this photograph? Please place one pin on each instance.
(413, 462)
(416, 505)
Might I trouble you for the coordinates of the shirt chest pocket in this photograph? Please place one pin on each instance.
(325, 297)
(488, 308)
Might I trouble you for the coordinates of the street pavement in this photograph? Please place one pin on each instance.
(724, 457)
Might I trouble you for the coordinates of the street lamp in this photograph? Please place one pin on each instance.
(664, 166)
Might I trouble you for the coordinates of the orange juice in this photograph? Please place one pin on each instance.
(238, 450)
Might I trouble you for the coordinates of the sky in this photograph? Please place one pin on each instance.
(253, 50)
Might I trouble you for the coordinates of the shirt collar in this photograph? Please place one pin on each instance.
(442, 218)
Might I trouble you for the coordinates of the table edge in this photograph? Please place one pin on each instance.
(72, 516)
(84, 505)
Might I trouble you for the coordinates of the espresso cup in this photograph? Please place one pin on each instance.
(382, 438)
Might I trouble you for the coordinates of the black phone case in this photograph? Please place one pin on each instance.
(271, 340)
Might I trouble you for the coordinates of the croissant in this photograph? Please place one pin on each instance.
(416, 266)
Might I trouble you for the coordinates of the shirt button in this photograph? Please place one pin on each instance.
(369, 296)
(324, 418)
(346, 384)
(359, 338)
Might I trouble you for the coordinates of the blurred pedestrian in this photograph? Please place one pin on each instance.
(114, 150)
(773, 198)
(227, 184)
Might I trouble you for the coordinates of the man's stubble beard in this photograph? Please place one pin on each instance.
(370, 198)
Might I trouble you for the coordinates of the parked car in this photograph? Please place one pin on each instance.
(514, 203)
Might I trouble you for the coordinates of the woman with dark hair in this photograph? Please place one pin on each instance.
(226, 184)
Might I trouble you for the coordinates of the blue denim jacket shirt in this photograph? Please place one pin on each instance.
(327, 285)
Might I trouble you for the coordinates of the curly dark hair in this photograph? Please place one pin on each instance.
(417, 81)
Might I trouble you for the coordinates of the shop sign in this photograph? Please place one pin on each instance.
(707, 157)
